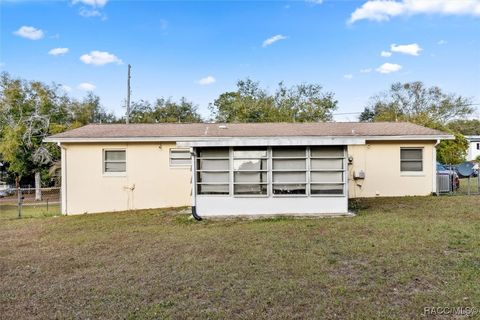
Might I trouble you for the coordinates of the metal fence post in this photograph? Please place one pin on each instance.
(19, 202)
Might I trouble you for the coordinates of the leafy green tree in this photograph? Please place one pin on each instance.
(430, 107)
(164, 110)
(465, 127)
(251, 103)
(26, 113)
(413, 102)
(452, 151)
(89, 110)
(30, 111)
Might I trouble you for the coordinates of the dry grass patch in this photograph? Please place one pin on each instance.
(396, 257)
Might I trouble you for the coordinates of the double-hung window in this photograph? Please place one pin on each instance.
(250, 171)
(411, 159)
(327, 170)
(114, 161)
(289, 170)
(180, 157)
(213, 170)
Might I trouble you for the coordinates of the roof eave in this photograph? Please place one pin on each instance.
(54, 139)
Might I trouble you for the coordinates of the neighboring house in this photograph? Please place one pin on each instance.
(473, 147)
(244, 169)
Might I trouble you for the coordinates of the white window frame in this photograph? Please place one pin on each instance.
(270, 171)
(104, 161)
(343, 172)
(409, 172)
(198, 183)
(306, 171)
(267, 183)
(173, 150)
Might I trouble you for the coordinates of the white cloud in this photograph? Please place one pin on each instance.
(441, 42)
(85, 86)
(100, 58)
(348, 76)
(388, 68)
(386, 54)
(383, 10)
(92, 3)
(366, 70)
(206, 81)
(315, 1)
(273, 39)
(411, 49)
(88, 13)
(58, 51)
(29, 32)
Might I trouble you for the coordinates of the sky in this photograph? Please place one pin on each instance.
(200, 49)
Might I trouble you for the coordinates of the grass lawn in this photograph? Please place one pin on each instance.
(396, 257)
(464, 185)
(8, 211)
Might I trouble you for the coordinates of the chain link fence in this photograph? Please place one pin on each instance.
(29, 203)
(450, 184)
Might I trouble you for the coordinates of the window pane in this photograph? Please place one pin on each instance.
(239, 153)
(253, 177)
(253, 164)
(326, 164)
(209, 177)
(289, 164)
(333, 151)
(327, 177)
(115, 155)
(181, 162)
(289, 152)
(179, 154)
(214, 153)
(411, 154)
(289, 189)
(209, 164)
(250, 189)
(115, 166)
(212, 188)
(326, 189)
(289, 177)
(411, 166)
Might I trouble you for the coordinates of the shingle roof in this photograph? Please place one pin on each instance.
(212, 130)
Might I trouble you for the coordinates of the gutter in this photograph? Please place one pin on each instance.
(190, 140)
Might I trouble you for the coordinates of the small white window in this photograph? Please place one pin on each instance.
(180, 157)
(114, 161)
(411, 159)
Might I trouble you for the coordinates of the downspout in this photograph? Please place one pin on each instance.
(194, 186)
(434, 159)
(63, 172)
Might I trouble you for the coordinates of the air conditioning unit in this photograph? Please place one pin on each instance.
(444, 184)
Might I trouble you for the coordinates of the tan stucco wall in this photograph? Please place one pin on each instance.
(155, 183)
(381, 163)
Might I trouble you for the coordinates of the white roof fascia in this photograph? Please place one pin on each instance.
(272, 141)
(275, 139)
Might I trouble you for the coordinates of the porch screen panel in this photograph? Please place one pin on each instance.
(213, 171)
(250, 171)
(289, 170)
(327, 171)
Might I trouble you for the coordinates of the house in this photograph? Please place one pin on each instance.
(244, 169)
(473, 147)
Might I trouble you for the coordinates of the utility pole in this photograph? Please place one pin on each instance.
(128, 96)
